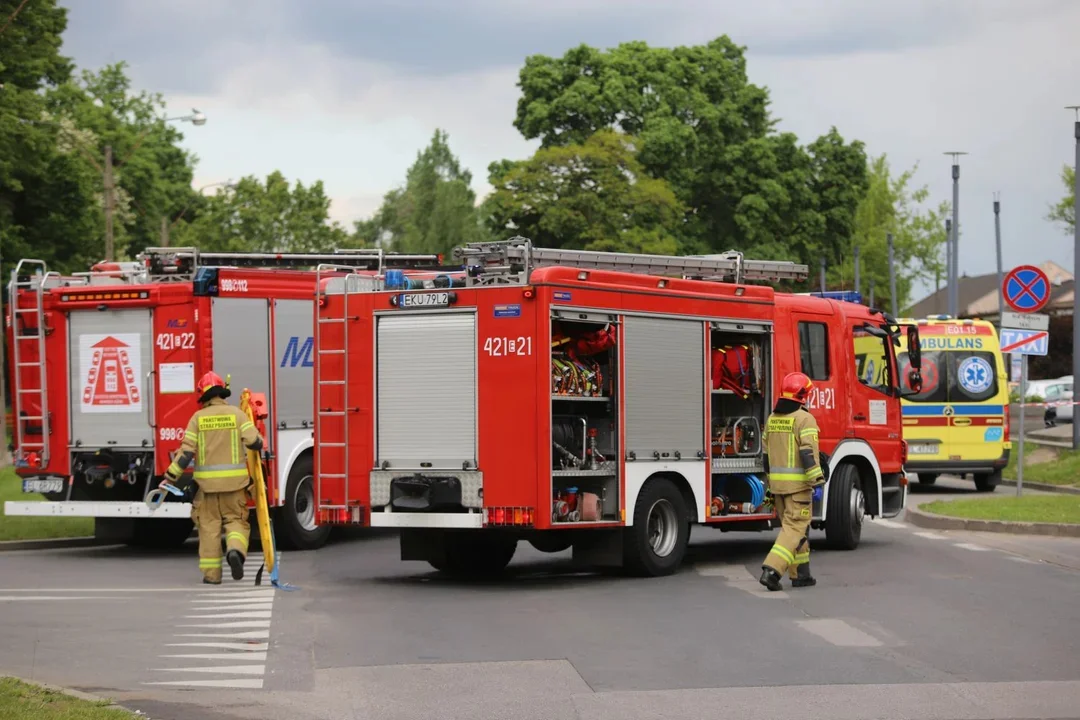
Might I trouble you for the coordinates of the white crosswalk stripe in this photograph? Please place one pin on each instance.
(227, 648)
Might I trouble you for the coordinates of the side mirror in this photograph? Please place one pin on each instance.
(913, 349)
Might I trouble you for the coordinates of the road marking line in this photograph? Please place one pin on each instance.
(252, 634)
(96, 590)
(971, 546)
(838, 632)
(35, 598)
(225, 600)
(237, 624)
(224, 645)
(252, 656)
(931, 535)
(1017, 558)
(248, 614)
(220, 669)
(739, 578)
(236, 594)
(245, 606)
(240, 683)
(890, 524)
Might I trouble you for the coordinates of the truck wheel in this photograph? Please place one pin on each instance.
(163, 534)
(927, 478)
(299, 528)
(476, 553)
(847, 508)
(656, 543)
(987, 483)
(551, 541)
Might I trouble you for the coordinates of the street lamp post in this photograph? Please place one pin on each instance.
(1076, 262)
(954, 281)
(196, 118)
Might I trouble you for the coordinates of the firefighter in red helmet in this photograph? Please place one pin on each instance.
(794, 470)
(213, 440)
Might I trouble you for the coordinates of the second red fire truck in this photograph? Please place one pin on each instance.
(600, 401)
(103, 367)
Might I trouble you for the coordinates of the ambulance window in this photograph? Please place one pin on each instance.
(973, 377)
(814, 349)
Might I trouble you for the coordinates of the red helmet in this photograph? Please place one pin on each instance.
(209, 380)
(796, 386)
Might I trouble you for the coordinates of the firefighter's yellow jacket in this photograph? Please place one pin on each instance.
(791, 441)
(216, 438)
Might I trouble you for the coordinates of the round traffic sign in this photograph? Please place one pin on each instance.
(1026, 289)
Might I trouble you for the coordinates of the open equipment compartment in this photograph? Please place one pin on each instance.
(584, 418)
(740, 372)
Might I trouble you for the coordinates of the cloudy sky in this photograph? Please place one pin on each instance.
(348, 91)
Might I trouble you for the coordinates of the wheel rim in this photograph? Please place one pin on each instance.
(663, 526)
(858, 505)
(304, 503)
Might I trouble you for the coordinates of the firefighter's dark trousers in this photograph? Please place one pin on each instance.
(792, 546)
(212, 513)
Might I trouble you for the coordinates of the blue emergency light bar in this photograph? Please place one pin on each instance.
(852, 296)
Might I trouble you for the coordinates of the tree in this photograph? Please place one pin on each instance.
(152, 174)
(593, 196)
(30, 63)
(891, 206)
(254, 216)
(433, 212)
(1064, 211)
(706, 130)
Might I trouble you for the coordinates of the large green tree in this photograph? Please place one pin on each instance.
(255, 216)
(706, 130)
(1064, 211)
(433, 212)
(891, 205)
(592, 196)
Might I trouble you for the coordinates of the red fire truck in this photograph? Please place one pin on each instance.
(591, 400)
(102, 371)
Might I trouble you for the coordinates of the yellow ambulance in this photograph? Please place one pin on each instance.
(958, 423)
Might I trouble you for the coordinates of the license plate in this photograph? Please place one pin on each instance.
(42, 485)
(922, 449)
(427, 299)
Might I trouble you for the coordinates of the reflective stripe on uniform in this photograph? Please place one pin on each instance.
(809, 432)
(801, 558)
(174, 469)
(784, 553)
(238, 537)
(209, 562)
(787, 474)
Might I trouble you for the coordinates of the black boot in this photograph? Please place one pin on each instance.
(770, 578)
(803, 577)
(236, 562)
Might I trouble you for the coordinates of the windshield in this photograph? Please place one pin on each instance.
(872, 360)
(953, 377)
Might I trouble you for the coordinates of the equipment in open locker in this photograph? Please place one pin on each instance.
(574, 370)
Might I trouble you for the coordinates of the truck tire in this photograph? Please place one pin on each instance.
(160, 534)
(299, 530)
(927, 478)
(656, 543)
(847, 508)
(551, 541)
(987, 482)
(475, 553)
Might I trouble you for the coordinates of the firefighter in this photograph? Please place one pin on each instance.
(213, 440)
(794, 470)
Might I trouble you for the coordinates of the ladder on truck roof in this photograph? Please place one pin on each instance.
(181, 263)
(512, 261)
(21, 336)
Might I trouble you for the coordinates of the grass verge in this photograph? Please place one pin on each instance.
(35, 528)
(1056, 508)
(20, 700)
(1063, 470)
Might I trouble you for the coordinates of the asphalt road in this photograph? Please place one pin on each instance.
(912, 624)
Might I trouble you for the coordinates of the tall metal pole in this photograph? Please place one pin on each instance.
(858, 287)
(108, 203)
(954, 305)
(1001, 276)
(1076, 265)
(871, 303)
(948, 266)
(892, 275)
(822, 274)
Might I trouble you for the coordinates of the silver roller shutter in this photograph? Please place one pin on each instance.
(426, 378)
(665, 387)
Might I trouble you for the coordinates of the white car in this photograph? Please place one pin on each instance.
(1059, 391)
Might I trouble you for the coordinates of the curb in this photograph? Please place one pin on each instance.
(945, 522)
(77, 694)
(1044, 487)
(51, 543)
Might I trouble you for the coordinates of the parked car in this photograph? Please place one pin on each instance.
(1059, 391)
